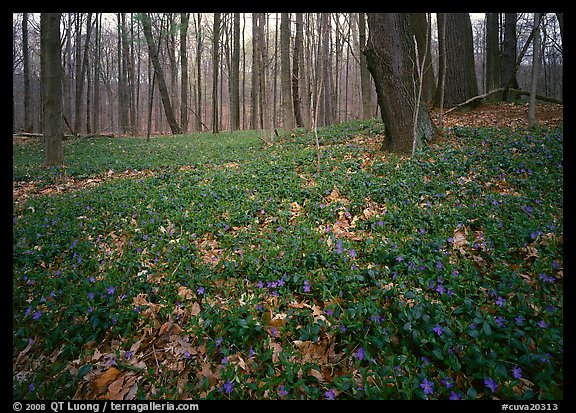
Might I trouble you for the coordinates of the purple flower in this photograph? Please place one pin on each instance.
(438, 330)
(546, 278)
(542, 324)
(224, 360)
(439, 265)
(448, 382)
(200, 290)
(110, 290)
(360, 353)
(282, 392)
(228, 386)
(491, 384)
(37, 315)
(440, 288)
(500, 321)
(330, 394)
(428, 386)
(306, 286)
(352, 253)
(517, 372)
(519, 319)
(339, 248)
(454, 396)
(500, 301)
(129, 354)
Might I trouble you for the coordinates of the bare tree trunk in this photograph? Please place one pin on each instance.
(492, 52)
(532, 121)
(254, 123)
(215, 64)
(51, 81)
(391, 59)
(147, 28)
(122, 79)
(287, 102)
(461, 81)
(364, 73)
(96, 82)
(264, 124)
(184, 18)
(442, 84)
(296, 62)
(235, 75)
(26, 62)
(508, 76)
(199, 72)
(422, 31)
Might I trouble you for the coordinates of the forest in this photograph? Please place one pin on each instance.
(286, 206)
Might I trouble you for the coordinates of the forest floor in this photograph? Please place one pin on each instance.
(492, 115)
(212, 267)
(504, 115)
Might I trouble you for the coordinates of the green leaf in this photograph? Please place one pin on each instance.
(486, 328)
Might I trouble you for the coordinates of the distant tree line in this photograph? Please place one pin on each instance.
(149, 73)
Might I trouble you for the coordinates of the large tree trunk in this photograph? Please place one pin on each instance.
(508, 76)
(147, 29)
(26, 62)
(492, 52)
(296, 62)
(461, 83)
(285, 80)
(215, 64)
(51, 80)
(365, 83)
(391, 55)
(532, 122)
(235, 75)
(422, 31)
(184, 18)
(199, 123)
(255, 74)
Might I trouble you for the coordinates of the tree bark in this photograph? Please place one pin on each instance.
(461, 82)
(422, 32)
(508, 76)
(51, 81)
(287, 102)
(147, 28)
(235, 75)
(492, 52)
(296, 62)
(254, 123)
(365, 84)
(26, 62)
(184, 18)
(96, 82)
(532, 122)
(391, 55)
(199, 123)
(215, 64)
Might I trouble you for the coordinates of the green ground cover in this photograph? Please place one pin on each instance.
(232, 270)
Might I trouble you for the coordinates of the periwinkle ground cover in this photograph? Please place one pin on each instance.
(234, 271)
